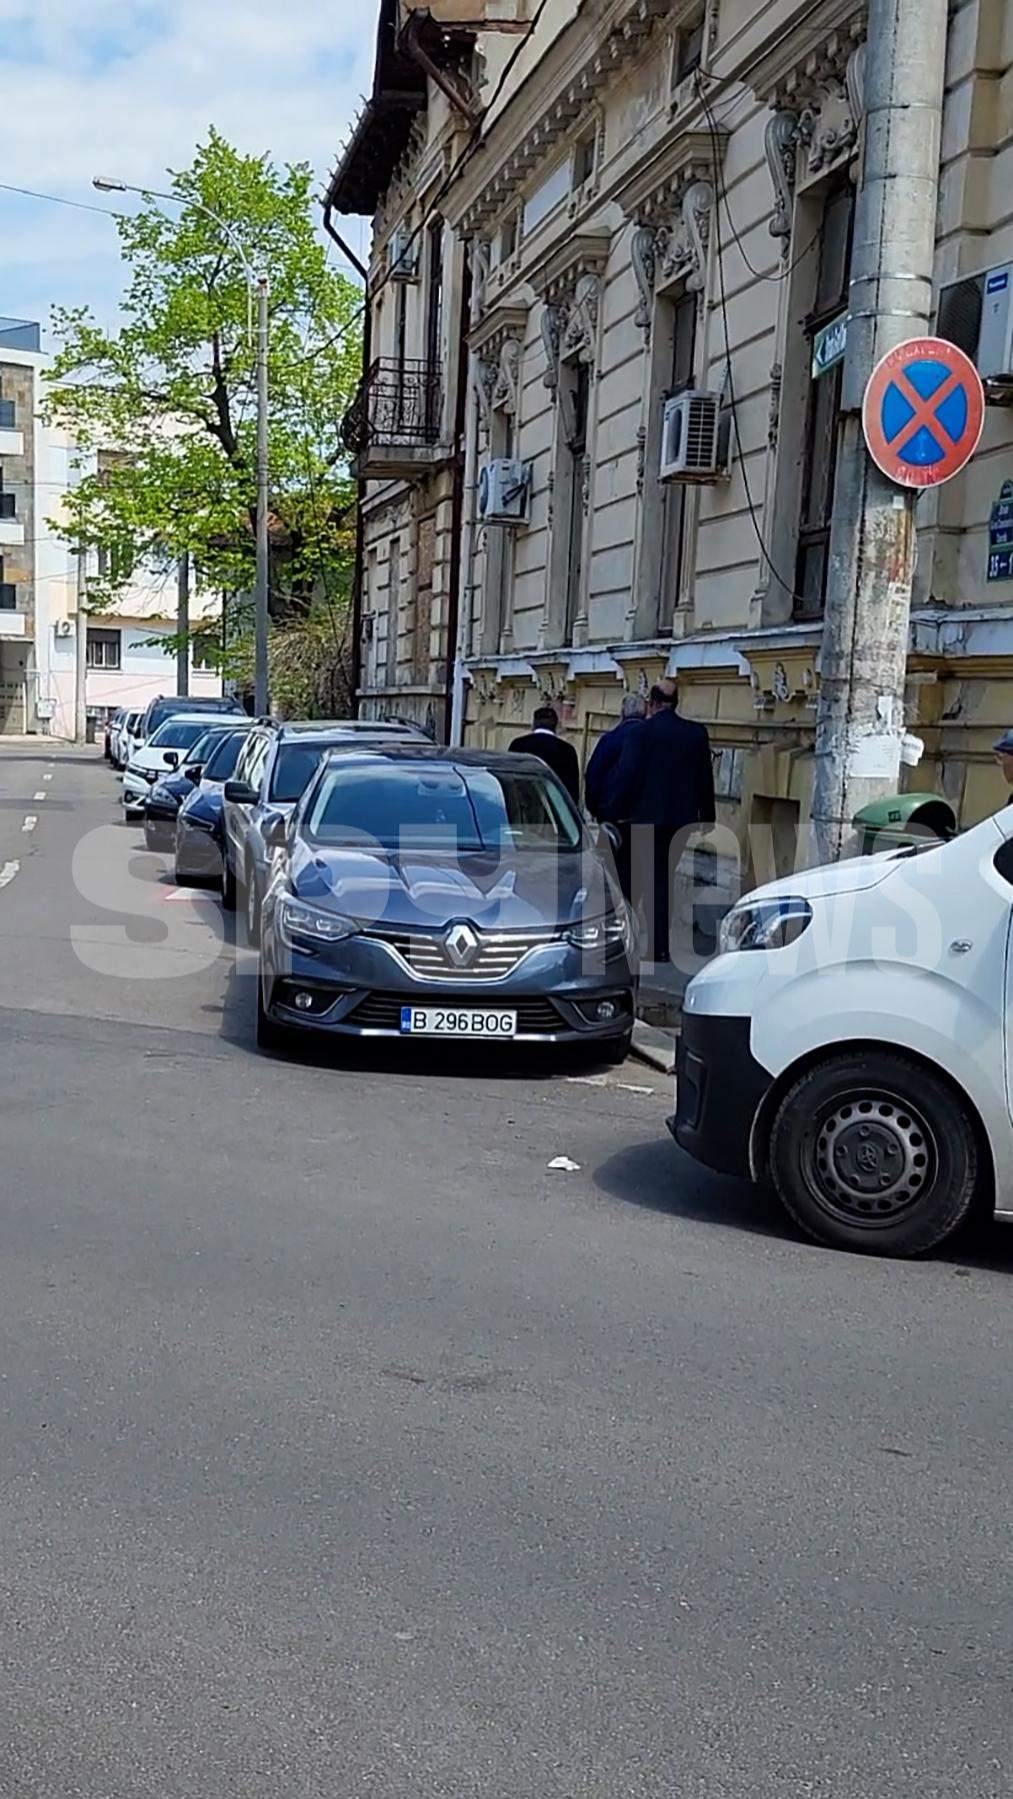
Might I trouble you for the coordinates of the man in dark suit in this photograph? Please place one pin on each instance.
(599, 778)
(542, 741)
(664, 785)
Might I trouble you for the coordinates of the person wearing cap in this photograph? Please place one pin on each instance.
(1004, 756)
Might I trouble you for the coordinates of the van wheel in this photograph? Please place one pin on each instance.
(875, 1153)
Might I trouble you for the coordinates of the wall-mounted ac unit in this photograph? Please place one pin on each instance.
(976, 314)
(403, 255)
(693, 442)
(504, 486)
(62, 627)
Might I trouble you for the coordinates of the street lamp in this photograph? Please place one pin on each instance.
(108, 186)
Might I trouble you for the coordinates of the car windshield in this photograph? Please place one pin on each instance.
(294, 768)
(438, 806)
(201, 749)
(178, 734)
(221, 764)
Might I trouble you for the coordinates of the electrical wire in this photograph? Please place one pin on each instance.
(786, 268)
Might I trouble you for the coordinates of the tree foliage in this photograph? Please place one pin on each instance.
(170, 397)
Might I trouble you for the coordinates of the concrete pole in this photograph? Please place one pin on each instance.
(81, 650)
(183, 625)
(466, 547)
(261, 702)
(860, 723)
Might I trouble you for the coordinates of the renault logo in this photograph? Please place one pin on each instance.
(461, 945)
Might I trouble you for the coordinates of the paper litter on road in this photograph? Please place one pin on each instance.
(564, 1165)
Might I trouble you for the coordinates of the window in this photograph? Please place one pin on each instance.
(117, 559)
(251, 748)
(176, 733)
(546, 196)
(674, 493)
(429, 806)
(507, 239)
(294, 765)
(819, 466)
(577, 445)
(393, 601)
(204, 651)
(8, 416)
(8, 507)
(584, 158)
(8, 592)
(221, 764)
(103, 649)
(689, 47)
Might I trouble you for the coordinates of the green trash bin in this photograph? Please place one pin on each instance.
(904, 819)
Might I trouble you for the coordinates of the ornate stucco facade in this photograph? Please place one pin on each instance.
(660, 196)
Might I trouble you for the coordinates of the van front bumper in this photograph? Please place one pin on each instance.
(719, 1090)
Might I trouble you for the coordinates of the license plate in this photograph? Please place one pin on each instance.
(456, 1021)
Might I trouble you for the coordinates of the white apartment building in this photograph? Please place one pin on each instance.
(126, 662)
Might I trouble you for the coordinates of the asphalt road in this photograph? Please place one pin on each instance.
(347, 1451)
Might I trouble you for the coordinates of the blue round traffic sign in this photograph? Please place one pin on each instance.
(923, 412)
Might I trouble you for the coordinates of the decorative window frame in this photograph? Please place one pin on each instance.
(497, 352)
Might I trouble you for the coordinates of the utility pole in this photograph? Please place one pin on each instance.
(860, 723)
(261, 702)
(183, 626)
(81, 649)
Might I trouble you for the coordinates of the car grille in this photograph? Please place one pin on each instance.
(497, 956)
(382, 1011)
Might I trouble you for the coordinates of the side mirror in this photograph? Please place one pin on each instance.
(172, 758)
(610, 836)
(240, 793)
(276, 832)
(194, 772)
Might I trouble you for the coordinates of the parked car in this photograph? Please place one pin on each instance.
(161, 754)
(111, 724)
(422, 893)
(164, 799)
(169, 705)
(124, 738)
(199, 838)
(852, 1042)
(274, 768)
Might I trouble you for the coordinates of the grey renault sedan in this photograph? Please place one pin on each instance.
(425, 893)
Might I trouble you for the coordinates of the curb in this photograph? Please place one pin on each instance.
(654, 1046)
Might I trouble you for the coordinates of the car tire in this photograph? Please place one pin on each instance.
(875, 1152)
(230, 889)
(270, 1036)
(252, 909)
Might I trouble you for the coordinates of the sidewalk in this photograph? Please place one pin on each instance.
(659, 1012)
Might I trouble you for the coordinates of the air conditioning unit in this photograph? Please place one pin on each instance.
(403, 255)
(62, 627)
(694, 441)
(976, 314)
(504, 487)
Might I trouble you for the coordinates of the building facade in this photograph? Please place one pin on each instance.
(126, 662)
(660, 200)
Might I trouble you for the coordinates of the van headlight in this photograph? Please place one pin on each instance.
(764, 924)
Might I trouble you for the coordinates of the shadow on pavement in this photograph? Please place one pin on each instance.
(659, 1177)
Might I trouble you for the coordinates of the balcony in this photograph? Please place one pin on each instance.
(392, 427)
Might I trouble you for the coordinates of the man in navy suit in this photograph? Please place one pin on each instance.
(542, 741)
(663, 785)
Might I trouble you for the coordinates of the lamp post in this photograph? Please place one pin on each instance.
(260, 284)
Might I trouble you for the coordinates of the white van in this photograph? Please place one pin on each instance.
(852, 1040)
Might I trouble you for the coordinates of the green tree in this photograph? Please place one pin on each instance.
(169, 400)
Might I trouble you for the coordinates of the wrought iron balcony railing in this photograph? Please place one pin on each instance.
(397, 408)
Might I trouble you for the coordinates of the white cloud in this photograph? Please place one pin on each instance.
(127, 87)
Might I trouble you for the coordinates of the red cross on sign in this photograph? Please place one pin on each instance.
(923, 412)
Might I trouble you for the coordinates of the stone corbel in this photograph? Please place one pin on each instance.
(781, 145)
(484, 375)
(580, 334)
(507, 378)
(854, 76)
(643, 253)
(552, 326)
(682, 251)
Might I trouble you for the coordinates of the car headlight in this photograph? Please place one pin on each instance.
(765, 924)
(612, 934)
(299, 922)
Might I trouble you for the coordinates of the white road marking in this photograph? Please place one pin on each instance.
(7, 873)
(48, 777)
(40, 795)
(30, 822)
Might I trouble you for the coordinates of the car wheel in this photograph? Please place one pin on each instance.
(230, 891)
(874, 1152)
(269, 1034)
(252, 909)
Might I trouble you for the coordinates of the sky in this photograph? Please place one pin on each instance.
(127, 88)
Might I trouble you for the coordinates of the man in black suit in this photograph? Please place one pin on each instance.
(542, 741)
(664, 785)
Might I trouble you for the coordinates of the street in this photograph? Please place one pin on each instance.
(349, 1450)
